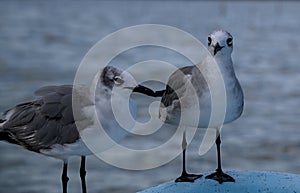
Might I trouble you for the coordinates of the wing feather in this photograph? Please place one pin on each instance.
(44, 122)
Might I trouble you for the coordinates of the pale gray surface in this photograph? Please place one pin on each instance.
(42, 43)
(250, 181)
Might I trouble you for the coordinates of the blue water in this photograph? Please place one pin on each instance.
(43, 42)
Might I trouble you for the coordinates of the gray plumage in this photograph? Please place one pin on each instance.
(44, 122)
(176, 82)
(49, 120)
(176, 86)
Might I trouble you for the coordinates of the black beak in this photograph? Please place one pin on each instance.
(148, 91)
(144, 90)
(217, 48)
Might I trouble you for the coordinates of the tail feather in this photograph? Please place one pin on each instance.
(1, 124)
(4, 136)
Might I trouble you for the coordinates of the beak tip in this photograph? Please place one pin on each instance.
(217, 48)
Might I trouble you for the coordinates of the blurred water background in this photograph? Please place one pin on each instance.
(43, 42)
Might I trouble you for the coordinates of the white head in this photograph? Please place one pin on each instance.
(220, 43)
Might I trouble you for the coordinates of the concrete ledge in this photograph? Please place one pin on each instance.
(246, 182)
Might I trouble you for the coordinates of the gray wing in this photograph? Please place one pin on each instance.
(170, 107)
(44, 122)
(175, 83)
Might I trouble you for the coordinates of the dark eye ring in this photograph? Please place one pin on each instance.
(229, 41)
(209, 41)
(118, 80)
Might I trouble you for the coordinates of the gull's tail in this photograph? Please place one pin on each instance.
(6, 136)
(1, 123)
(3, 134)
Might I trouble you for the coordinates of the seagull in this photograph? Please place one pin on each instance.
(47, 125)
(220, 46)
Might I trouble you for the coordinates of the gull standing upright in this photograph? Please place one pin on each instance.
(220, 46)
(47, 124)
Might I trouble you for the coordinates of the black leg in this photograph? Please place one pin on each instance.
(82, 174)
(185, 177)
(218, 144)
(64, 177)
(219, 175)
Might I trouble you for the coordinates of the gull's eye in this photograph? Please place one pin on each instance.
(229, 42)
(209, 41)
(118, 80)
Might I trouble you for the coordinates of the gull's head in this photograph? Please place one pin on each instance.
(219, 43)
(112, 77)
